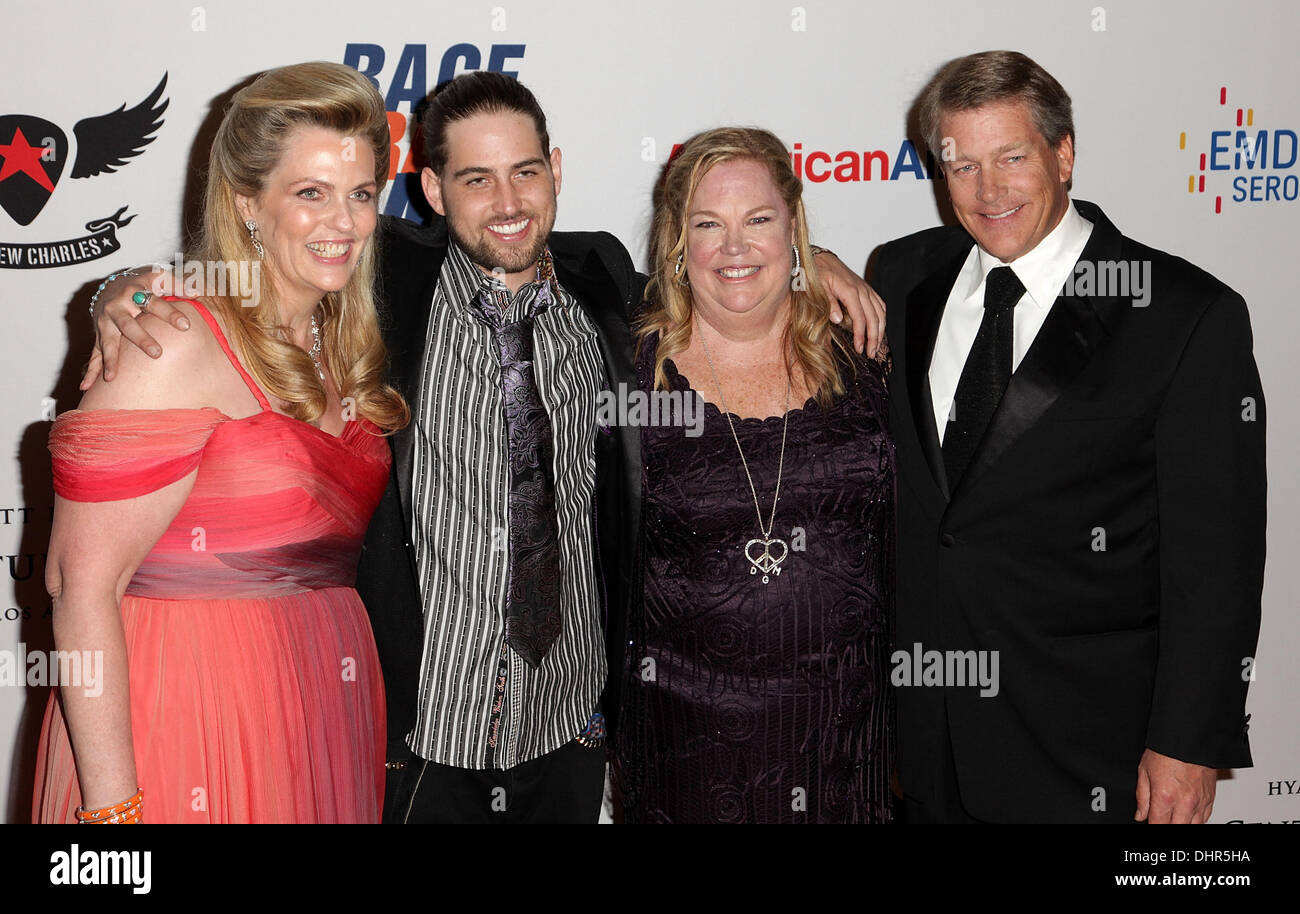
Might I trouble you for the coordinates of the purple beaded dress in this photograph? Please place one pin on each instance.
(753, 702)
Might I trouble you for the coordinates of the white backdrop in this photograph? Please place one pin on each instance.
(1152, 81)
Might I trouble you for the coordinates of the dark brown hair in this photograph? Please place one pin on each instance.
(995, 76)
(480, 92)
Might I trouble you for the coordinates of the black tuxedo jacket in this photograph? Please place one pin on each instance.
(596, 269)
(1107, 539)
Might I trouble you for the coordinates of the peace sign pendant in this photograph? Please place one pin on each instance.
(766, 561)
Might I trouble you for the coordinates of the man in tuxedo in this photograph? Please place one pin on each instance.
(1081, 487)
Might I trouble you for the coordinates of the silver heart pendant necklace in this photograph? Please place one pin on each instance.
(774, 549)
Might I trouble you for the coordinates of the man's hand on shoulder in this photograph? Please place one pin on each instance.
(1174, 792)
(179, 377)
(850, 294)
(118, 317)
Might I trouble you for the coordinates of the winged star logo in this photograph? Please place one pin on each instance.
(33, 154)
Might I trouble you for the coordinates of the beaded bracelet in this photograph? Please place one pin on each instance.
(111, 276)
(125, 813)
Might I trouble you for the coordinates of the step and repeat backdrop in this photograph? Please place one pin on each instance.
(1186, 114)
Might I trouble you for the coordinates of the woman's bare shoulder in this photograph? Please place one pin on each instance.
(193, 370)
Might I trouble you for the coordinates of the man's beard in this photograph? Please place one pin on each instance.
(484, 253)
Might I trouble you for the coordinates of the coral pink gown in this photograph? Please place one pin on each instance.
(256, 692)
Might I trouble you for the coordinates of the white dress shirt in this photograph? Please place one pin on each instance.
(1042, 271)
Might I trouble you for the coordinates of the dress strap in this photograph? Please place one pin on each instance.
(230, 354)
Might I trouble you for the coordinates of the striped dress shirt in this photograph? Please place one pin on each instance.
(480, 705)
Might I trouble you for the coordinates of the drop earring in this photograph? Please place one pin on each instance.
(252, 236)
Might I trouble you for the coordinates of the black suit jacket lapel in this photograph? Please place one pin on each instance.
(409, 304)
(601, 299)
(1074, 328)
(925, 306)
(599, 296)
(616, 512)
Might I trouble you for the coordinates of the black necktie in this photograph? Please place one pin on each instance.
(985, 376)
(533, 581)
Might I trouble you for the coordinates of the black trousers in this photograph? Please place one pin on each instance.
(565, 787)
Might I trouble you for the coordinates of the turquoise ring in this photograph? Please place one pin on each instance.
(142, 299)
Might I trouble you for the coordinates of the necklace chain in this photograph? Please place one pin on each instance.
(771, 521)
(315, 351)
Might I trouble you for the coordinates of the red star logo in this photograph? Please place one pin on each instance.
(21, 157)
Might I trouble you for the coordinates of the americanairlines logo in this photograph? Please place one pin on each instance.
(1243, 161)
(849, 166)
(853, 166)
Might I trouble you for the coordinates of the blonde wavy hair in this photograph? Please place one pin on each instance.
(812, 341)
(248, 146)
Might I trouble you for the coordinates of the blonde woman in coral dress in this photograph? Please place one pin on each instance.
(212, 501)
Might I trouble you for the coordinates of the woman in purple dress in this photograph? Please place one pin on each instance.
(756, 688)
